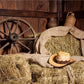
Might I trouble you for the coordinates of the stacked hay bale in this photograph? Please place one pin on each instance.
(66, 43)
(57, 75)
(14, 70)
(49, 76)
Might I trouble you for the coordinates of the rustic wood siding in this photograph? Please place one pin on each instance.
(39, 24)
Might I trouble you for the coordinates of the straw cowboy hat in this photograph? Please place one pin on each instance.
(53, 62)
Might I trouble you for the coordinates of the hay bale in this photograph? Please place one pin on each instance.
(66, 43)
(14, 70)
(42, 75)
(48, 76)
(78, 68)
(18, 81)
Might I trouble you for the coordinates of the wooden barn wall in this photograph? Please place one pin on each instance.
(39, 24)
(75, 5)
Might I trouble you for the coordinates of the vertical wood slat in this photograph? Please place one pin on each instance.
(4, 6)
(1, 17)
(73, 5)
(1, 6)
(42, 24)
(60, 10)
(82, 3)
(20, 4)
(27, 6)
(43, 6)
(35, 20)
(53, 5)
(80, 24)
(11, 4)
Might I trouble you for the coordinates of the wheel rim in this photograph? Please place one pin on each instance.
(11, 38)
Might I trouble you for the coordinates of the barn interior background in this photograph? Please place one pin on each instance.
(59, 7)
(15, 69)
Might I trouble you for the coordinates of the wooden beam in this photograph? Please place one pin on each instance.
(24, 13)
(35, 14)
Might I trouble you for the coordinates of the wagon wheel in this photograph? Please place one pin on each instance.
(13, 32)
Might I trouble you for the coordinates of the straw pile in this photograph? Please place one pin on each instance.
(14, 70)
(57, 75)
(66, 43)
(78, 68)
(49, 76)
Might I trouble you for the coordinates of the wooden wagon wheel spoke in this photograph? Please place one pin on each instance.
(3, 39)
(23, 45)
(23, 39)
(4, 33)
(24, 32)
(4, 27)
(4, 46)
(16, 26)
(11, 26)
(11, 48)
(8, 27)
(16, 48)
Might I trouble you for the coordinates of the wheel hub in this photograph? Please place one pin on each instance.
(13, 37)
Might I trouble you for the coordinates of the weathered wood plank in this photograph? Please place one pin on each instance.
(27, 5)
(34, 14)
(43, 6)
(60, 10)
(20, 4)
(11, 4)
(42, 24)
(73, 5)
(25, 13)
(35, 21)
(1, 6)
(53, 5)
(80, 24)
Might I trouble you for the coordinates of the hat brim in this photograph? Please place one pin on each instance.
(52, 62)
